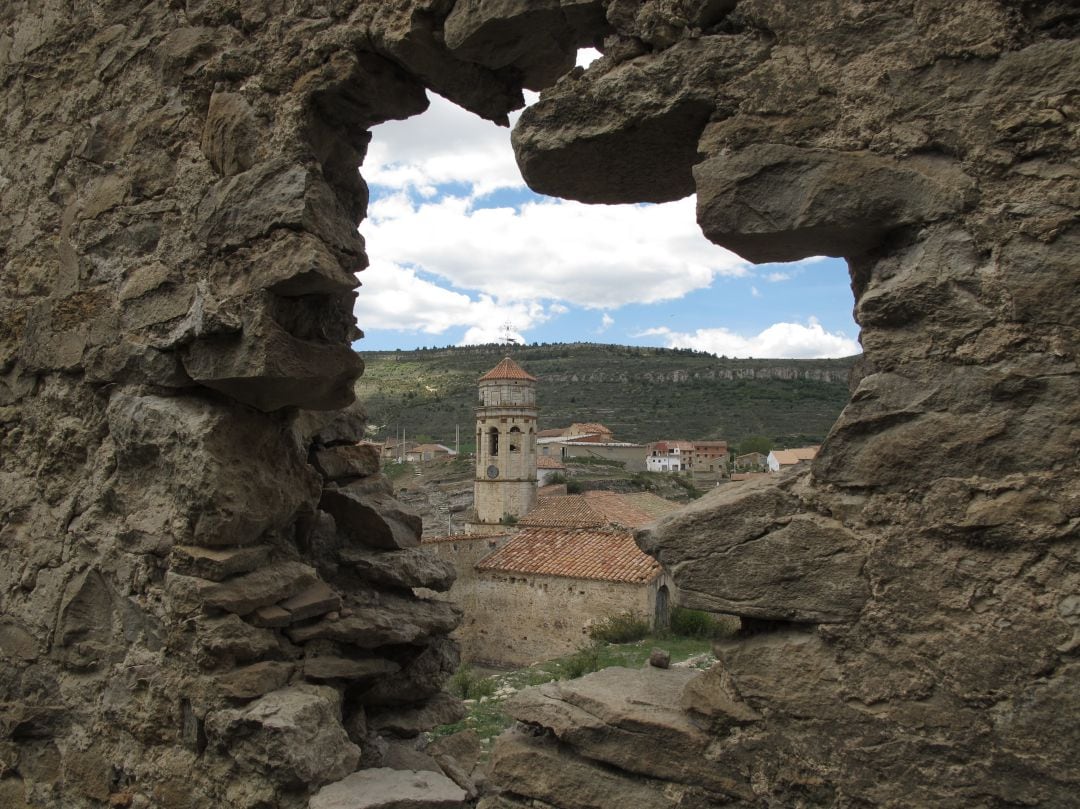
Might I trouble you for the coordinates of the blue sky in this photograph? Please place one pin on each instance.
(459, 247)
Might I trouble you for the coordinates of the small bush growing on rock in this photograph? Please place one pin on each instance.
(584, 661)
(467, 684)
(697, 624)
(626, 627)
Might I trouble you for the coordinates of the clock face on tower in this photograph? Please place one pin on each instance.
(493, 471)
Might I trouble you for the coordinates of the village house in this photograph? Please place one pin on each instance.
(427, 452)
(750, 461)
(669, 456)
(785, 458)
(547, 468)
(710, 457)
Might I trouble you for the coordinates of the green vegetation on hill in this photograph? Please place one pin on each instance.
(642, 394)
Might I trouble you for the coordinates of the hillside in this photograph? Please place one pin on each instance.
(642, 394)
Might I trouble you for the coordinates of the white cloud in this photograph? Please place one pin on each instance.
(592, 256)
(444, 145)
(396, 298)
(755, 292)
(586, 56)
(775, 277)
(606, 322)
(783, 340)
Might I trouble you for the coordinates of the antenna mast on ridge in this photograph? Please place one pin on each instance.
(508, 334)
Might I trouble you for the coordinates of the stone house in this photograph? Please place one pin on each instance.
(630, 455)
(548, 467)
(427, 452)
(750, 461)
(710, 457)
(537, 595)
(785, 458)
(670, 456)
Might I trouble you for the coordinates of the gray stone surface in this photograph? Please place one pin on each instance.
(383, 788)
(292, 736)
(367, 513)
(410, 567)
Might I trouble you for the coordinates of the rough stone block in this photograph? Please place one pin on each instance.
(383, 619)
(372, 517)
(217, 564)
(410, 721)
(384, 788)
(411, 567)
(292, 736)
(341, 668)
(255, 680)
(272, 616)
(260, 588)
(318, 599)
(348, 461)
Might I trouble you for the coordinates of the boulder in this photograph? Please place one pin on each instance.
(384, 788)
(539, 768)
(292, 736)
(630, 719)
(745, 550)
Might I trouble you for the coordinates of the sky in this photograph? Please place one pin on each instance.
(462, 252)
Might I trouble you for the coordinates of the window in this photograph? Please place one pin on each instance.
(515, 439)
(493, 441)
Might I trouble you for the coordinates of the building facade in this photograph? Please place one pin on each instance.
(504, 486)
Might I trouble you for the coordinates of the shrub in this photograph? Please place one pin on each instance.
(584, 661)
(467, 684)
(557, 478)
(574, 487)
(697, 624)
(625, 627)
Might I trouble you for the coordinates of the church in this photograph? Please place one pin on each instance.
(534, 573)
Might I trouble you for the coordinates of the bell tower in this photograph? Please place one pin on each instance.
(505, 482)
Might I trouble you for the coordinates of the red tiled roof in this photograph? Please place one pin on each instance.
(460, 537)
(507, 369)
(581, 427)
(575, 554)
(556, 432)
(617, 510)
(594, 510)
(652, 504)
(570, 511)
(547, 462)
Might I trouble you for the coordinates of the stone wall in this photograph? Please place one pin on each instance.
(205, 604)
(515, 619)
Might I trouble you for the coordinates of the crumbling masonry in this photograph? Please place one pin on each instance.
(207, 597)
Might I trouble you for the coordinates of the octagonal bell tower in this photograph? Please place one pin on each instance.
(505, 482)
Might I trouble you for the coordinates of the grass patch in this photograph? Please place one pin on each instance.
(697, 624)
(625, 627)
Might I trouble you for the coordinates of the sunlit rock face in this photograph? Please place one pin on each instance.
(203, 603)
(914, 590)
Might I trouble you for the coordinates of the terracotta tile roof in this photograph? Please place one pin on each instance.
(507, 369)
(556, 432)
(787, 457)
(595, 510)
(547, 462)
(617, 510)
(652, 504)
(459, 538)
(571, 511)
(582, 427)
(575, 554)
